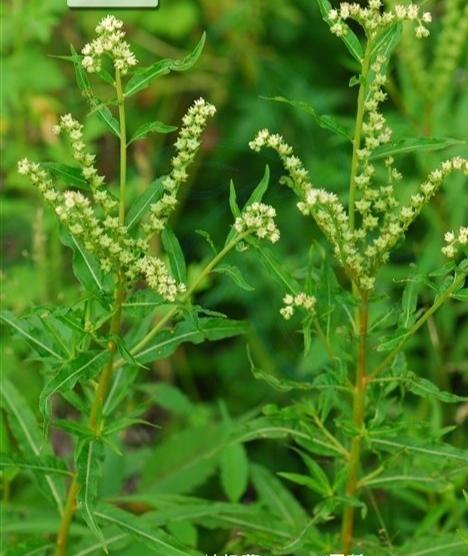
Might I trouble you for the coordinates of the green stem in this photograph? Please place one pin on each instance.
(358, 421)
(123, 146)
(170, 314)
(457, 283)
(95, 419)
(358, 132)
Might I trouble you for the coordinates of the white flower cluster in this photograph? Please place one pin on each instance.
(301, 300)
(74, 131)
(108, 240)
(110, 41)
(398, 221)
(373, 20)
(324, 207)
(454, 241)
(258, 219)
(187, 145)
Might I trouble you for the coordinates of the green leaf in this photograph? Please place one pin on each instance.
(24, 428)
(23, 328)
(387, 40)
(84, 367)
(154, 538)
(85, 265)
(349, 38)
(260, 190)
(235, 274)
(215, 329)
(151, 127)
(275, 267)
(303, 480)
(88, 464)
(166, 342)
(277, 498)
(234, 466)
(169, 397)
(233, 200)
(175, 255)
(143, 77)
(255, 197)
(420, 144)
(184, 461)
(443, 451)
(325, 122)
(317, 475)
(279, 384)
(142, 203)
(409, 301)
(35, 547)
(84, 85)
(427, 389)
(41, 464)
(71, 175)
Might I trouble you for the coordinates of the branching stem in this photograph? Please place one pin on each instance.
(95, 419)
(358, 421)
(358, 131)
(456, 284)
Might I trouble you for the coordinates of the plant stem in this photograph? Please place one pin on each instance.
(358, 131)
(358, 421)
(420, 322)
(95, 419)
(203, 274)
(123, 146)
(69, 510)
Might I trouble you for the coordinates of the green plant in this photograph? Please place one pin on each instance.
(361, 442)
(84, 346)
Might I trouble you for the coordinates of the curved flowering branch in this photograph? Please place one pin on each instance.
(324, 207)
(109, 241)
(187, 145)
(74, 131)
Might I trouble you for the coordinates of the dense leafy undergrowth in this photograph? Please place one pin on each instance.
(201, 356)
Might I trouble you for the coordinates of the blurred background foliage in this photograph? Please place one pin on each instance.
(255, 49)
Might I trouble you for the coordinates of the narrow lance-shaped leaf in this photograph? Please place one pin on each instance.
(349, 38)
(151, 127)
(85, 366)
(166, 342)
(255, 197)
(71, 175)
(142, 78)
(419, 144)
(277, 497)
(21, 327)
(25, 429)
(142, 203)
(155, 539)
(85, 266)
(175, 255)
(234, 466)
(49, 465)
(325, 121)
(84, 85)
(236, 276)
(88, 464)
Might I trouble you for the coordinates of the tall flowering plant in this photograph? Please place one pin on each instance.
(91, 351)
(362, 446)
